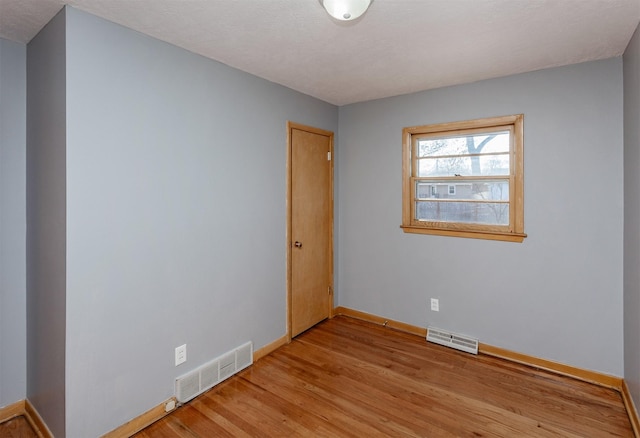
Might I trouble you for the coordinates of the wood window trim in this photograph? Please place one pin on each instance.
(514, 232)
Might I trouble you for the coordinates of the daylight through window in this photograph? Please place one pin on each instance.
(465, 179)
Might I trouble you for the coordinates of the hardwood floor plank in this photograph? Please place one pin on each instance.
(205, 405)
(17, 427)
(446, 408)
(350, 378)
(267, 410)
(277, 378)
(351, 390)
(355, 405)
(549, 401)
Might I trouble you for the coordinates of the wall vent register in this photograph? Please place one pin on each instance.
(211, 373)
(452, 340)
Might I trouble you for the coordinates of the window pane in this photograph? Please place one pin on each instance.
(466, 212)
(465, 144)
(469, 190)
(485, 165)
(426, 190)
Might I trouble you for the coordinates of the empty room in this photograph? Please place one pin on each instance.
(319, 218)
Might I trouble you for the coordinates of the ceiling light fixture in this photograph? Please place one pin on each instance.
(346, 10)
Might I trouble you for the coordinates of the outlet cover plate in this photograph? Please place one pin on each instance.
(181, 354)
(435, 304)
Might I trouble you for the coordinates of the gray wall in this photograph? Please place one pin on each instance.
(632, 217)
(558, 295)
(13, 325)
(175, 215)
(46, 224)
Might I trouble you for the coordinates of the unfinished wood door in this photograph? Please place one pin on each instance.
(310, 230)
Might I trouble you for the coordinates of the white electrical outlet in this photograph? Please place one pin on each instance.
(181, 354)
(435, 304)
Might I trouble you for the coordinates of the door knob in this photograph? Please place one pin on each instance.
(298, 244)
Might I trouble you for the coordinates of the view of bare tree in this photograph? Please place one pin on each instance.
(461, 156)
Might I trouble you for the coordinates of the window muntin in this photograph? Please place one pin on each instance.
(465, 177)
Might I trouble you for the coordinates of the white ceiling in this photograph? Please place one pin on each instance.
(397, 47)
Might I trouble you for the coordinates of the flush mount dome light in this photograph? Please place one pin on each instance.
(345, 10)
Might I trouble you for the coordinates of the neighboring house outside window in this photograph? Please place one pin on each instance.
(465, 179)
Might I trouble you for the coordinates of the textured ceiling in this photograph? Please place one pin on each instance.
(397, 47)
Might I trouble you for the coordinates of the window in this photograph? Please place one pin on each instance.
(465, 179)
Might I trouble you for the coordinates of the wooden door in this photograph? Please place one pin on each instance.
(310, 227)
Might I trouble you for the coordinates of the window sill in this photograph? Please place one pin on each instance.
(486, 235)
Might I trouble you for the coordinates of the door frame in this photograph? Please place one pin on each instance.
(290, 126)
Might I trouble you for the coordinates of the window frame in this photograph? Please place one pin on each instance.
(514, 231)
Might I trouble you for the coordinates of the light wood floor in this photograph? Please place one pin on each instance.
(17, 427)
(347, 378)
